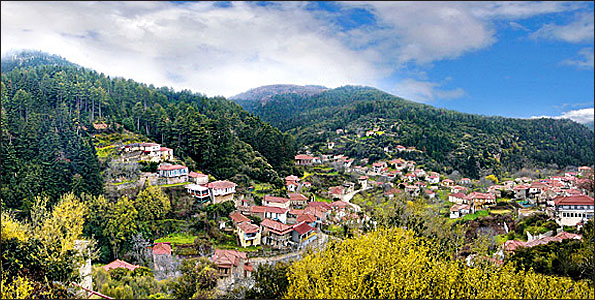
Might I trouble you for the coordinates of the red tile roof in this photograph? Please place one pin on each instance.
(162, 248)
(196, 175)
(276, 227)
(302, 228)
(275, 199)
(317, 204)
(248, 227)
(339, 204)
(336, 190)
(308, 218)
(120, 264)
(574, 200)
(165, 149)
(304, 156)
(271, 209)
(477, 195)
(296, 212)
(297, 197)
(292, 178)
(458, 195)
(227, 258)
(171, 167)
(221, 184)
(238, 217)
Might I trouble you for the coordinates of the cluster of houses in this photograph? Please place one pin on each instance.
(147, 151)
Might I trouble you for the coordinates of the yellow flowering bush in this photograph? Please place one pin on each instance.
(393, 263)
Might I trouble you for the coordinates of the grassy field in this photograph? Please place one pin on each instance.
(123, 182)
(175, 184)
(477, 214)
(500, 211)
(177, 238)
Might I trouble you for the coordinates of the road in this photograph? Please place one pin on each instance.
(347, 198)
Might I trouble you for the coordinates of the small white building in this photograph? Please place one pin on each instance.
(571, 210)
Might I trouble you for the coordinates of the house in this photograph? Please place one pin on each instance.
(303, 160)
(276, 201)
(412, 190)
(320, 210)
(480, 199)
(348, 187)
(401, 148)
(410, 177)
(458, 189)
(363, 181)
(200, 192)
(310, 219)
(433, 179)
(419, 173)
(198, 178)
(237, 218)
(584, 169)
(221, 190)
(151, 151)
(232, 263)
(292, 186)
(173, 173)
(248, 234)
(271, 212)
(347, 163)
(536, 188)
(330, 145)
(276, 234)
(459, 210)
(120, 264)
(297, 200)
(447, 182)
(302, 233)
(316, 160)
(571, 210)
(377, 167)
(521, 191)
(166, 154)
(457, 198)
(292, 179)
(307, 184)
(161, 256)
(513, 245)
(398, 163)
(465, 181)
(431, 194)
(336, 192)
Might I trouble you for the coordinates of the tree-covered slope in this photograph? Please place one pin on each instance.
(450, 140)
(48, 112)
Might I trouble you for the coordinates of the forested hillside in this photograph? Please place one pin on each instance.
(450, 140)
(49, 108)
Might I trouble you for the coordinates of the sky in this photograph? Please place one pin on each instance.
(512, 59)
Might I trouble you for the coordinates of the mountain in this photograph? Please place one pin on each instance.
(450, 140)
(265, 93)
(50, 107)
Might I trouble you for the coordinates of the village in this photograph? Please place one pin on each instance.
(308, 214)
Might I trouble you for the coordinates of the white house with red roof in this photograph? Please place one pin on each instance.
(433, 179)
(222, 190)
(198, 178)
(270, 212)
(297, 200)
(480, 199)
(173, 173)
(336, 192)
(465, 181)
(303, 160)
(166, 154)
(573, 210)
(378, 167)
(162, 258)
(276, 201)
(459, 210)
(248, 234)
(448, 182)
(401, 148)
(363, 181)
(457, 198)
(584, 169)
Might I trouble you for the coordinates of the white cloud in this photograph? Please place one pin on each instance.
(582, 116)
(579, 30)
(217, 51)
(425, 91)
(585, 60)
(225, 51)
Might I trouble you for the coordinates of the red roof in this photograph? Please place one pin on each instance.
(296, 212)
(292, 178)
(447, 180)
(149, 144)
(275, 199)
(477, 195)
(302, 228)
(317, 204)
(248, 227)
(574, 200)
(458, 195)
(336, 190)
(304, 156)
(520, 187)
(120, 264)
(165, 149)
(162, 248)
(378, 164)
(171, 167)
(271, 209)
(238, 217)
(308, 218)
(276, 227)
(297, 197)
(363, 177)
(228, 258)
(221, 184)
(196, 175)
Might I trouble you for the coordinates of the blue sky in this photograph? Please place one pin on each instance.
(514, 59)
